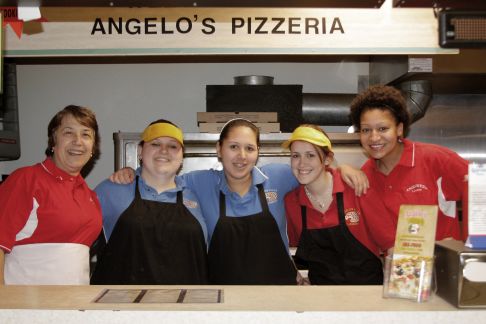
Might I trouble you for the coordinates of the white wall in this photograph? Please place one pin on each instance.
(127, 97)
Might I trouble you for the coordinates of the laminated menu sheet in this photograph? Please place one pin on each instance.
(408, 273)
(477, 206)
(141, 296)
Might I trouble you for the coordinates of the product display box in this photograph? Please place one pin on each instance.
(223, 117)
(461, 274)
(216, 127)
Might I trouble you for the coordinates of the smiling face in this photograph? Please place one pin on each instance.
(73, 145)
(161, 156)
(306, 162)
(379, 135)
(238, 153)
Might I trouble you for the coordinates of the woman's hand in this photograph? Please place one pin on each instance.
(123, 176)
(301, 281)
(354, 178)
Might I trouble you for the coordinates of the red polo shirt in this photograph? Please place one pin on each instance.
(426, 174)
(365, 216)
(43, 204)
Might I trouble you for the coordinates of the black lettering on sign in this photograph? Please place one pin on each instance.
(313, 23)
(98, 27)
(184, 25)
(279, 23)
(236, 22)
(132, 26)
(239, 25)
(336, 25)
(208, 23)
(283, 25)
(115, 25)
(150, 28)
(164, 27)
(10, 13)
(259, 30)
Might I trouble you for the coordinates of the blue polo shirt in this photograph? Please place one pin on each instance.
(115, 199)
(277, 180)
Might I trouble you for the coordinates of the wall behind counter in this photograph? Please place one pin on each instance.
(127, 97)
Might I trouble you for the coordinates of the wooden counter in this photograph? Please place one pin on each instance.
(241, 304)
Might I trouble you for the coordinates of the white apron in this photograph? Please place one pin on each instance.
(47, 264)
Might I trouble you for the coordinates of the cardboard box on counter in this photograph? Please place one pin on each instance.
(223, 117)
(216, 127)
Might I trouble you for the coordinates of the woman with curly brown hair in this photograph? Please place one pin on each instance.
(403, 171)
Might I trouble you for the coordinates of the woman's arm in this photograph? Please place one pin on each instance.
(123, 176)
(355, 178)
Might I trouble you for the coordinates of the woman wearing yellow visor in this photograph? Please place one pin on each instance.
(153, 227)
(337, 234)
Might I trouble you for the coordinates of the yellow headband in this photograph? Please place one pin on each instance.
(308, 134)
(162, 129)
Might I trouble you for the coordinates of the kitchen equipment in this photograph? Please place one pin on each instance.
(461, 274)
(9, 116)
(200, 150)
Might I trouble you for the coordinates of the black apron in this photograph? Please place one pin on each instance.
(335, 256)
(249, 250)
(154, 243)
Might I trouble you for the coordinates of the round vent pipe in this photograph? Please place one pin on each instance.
(418, 94)
(332, 109)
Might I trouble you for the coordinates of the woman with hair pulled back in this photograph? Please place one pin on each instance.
(339, 235)
(153, 227)
(243, 206)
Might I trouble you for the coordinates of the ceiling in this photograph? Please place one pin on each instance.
(198, 3)
(444, 4)
(452, 4)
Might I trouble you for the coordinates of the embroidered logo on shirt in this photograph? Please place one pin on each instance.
(271, 196)
(417, 188)
(351, 217)
(190, 203)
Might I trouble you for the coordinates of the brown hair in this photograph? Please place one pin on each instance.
(237, 123)
(385, 98)
(84, 116)
(324, 150)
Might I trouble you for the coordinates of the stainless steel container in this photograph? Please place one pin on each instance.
(200, 150)
(458, 279)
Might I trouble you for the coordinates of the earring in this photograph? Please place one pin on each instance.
(91, 155)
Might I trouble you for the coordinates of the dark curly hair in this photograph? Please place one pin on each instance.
(384, 98)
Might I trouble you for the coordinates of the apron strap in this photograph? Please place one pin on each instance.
(137, 193)
(340, 206)
(263, 198)
(303, 214)
(222, 204)
(180, 199)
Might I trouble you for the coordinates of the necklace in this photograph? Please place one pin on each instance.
(323, 204)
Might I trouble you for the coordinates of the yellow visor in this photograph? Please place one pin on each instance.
(162, 129)
(308, 134)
